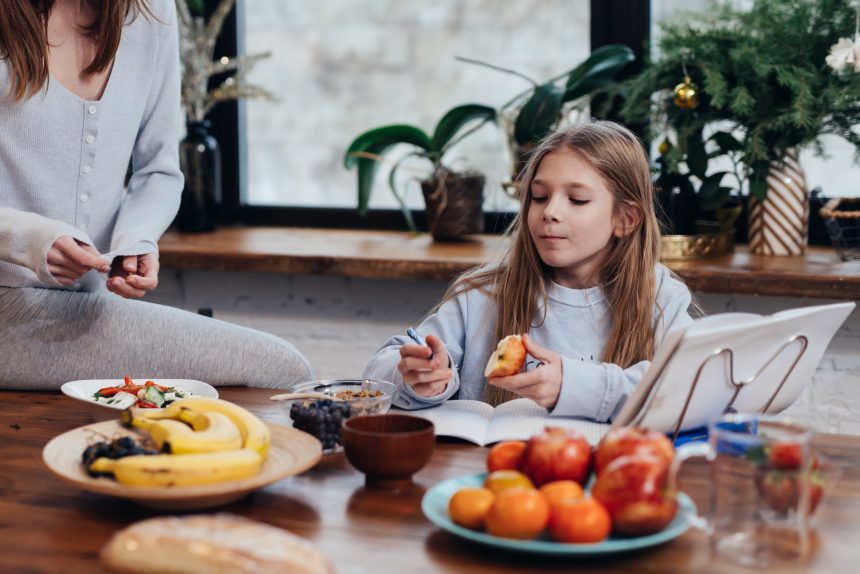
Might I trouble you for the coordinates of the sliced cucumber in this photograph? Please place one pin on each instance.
(153, 395)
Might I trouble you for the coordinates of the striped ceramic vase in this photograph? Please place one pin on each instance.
(779, 224)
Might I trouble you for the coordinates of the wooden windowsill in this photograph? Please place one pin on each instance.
(394, 254)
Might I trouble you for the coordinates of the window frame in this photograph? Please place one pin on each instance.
(612, 21)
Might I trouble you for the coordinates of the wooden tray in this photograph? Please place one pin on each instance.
(292, 452)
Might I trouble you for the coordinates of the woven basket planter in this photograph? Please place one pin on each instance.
(454, 204)
(842, 218)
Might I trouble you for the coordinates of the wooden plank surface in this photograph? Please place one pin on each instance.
(351, 253)
(395, 254)
(49, 526)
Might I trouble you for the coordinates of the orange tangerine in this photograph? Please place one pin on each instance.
(504, 479)
(469, 505)
(582, 520)
(518, 513)
(561, 490)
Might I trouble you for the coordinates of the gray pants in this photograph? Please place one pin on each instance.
(49, 337)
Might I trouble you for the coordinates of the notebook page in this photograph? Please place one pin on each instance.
(461, 419)
(521, 419)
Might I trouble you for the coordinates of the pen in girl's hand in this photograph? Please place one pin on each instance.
(413, 334)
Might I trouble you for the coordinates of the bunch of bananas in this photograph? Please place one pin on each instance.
(204, 440)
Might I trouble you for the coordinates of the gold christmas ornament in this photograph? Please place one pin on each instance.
(686, 94)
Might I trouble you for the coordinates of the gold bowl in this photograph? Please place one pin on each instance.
(698, 246)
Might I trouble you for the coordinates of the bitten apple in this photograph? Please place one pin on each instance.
(557, 454)
(630, 440)
(508, 358)
(637, 493)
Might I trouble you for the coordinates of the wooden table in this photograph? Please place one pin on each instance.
(47, 525)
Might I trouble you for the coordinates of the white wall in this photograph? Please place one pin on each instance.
(339, 322)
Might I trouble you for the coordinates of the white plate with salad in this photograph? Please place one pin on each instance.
(107, 397)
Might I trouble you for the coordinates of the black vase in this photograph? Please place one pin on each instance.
(200, 160)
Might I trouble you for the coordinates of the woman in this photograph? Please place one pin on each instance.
(86, 85)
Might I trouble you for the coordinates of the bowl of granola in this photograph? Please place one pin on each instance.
(365, 396)
(320, 407)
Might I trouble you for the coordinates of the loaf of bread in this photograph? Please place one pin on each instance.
(210, 544)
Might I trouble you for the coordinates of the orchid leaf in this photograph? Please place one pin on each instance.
(392, 183)
(367, 149)
(539, 114)
(597, 71)
(453, 121)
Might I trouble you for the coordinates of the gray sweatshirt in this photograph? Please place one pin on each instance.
(63, 160)
(576, 327)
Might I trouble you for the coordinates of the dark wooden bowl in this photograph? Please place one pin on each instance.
(388, 448)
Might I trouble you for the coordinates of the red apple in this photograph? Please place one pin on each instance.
(557, 454)
(630, 440)
(637, 493)
(508, 358)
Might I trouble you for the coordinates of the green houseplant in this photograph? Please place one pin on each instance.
(528, 117)
(537, 111)
(761, 82)
(442, 187)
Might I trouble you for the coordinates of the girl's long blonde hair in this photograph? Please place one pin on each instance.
(518, 283)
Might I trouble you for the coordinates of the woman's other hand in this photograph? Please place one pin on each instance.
(133, 275)
(69, 259)
(543, 384)
(425, 369)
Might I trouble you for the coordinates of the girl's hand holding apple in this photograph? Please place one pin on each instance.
(427, 369)
(543, 384)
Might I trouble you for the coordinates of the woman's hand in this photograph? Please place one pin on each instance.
(427, 375)
(133, 275)
(543, 384)
(69, 259)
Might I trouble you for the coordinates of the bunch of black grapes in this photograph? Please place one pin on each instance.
(117, 448)
(322, 419)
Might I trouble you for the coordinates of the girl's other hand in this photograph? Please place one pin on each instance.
(543, 384)
(425, 369)
(133, 275)
(69, 259)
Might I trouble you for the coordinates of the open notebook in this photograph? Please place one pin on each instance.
(519, 419)
(739, 361)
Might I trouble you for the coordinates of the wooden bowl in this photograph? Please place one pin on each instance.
(388, 448)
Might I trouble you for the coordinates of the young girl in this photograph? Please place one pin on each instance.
(581, 280)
